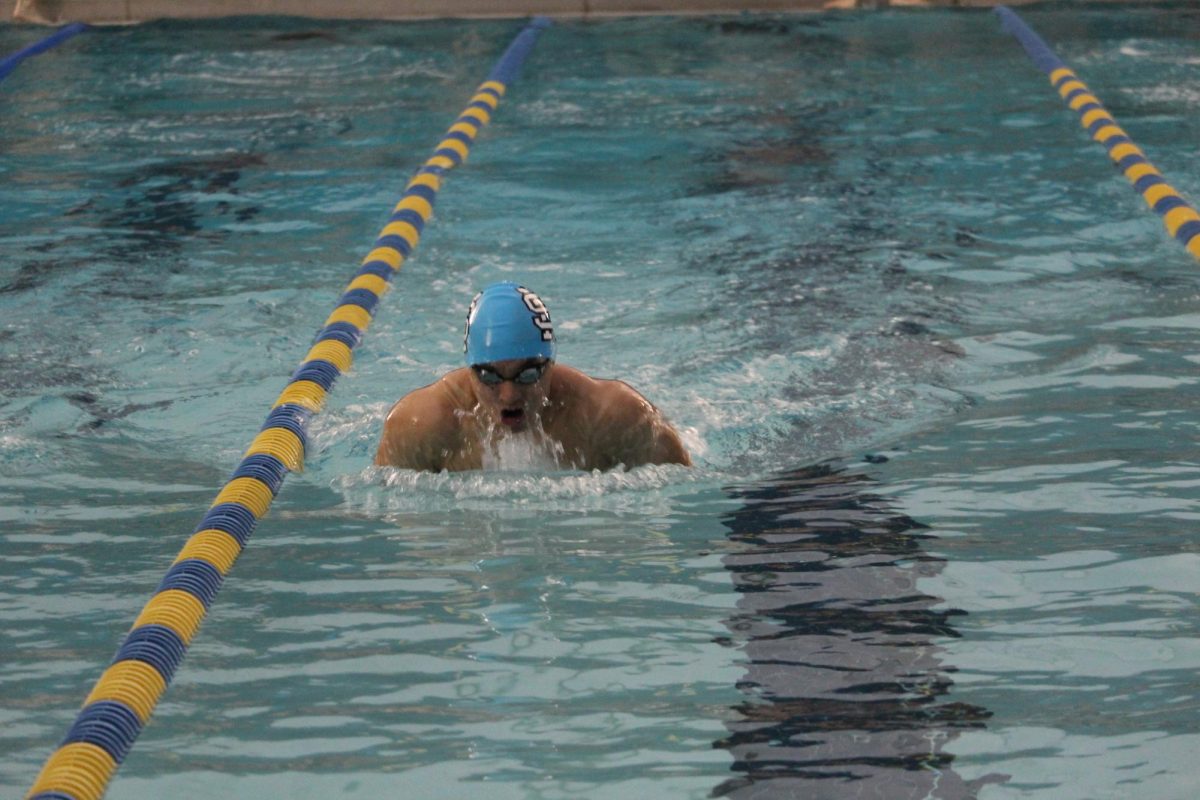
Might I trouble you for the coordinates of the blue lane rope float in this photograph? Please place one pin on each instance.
(1179, 217)
(9, 63)
(121, 702)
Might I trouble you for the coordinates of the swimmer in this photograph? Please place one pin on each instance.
(512, 386)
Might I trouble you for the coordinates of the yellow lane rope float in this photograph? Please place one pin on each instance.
(1179, 217)
(129, 689)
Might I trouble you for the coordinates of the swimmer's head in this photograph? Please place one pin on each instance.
(507, 321)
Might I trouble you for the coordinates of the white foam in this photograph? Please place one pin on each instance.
(385, 491)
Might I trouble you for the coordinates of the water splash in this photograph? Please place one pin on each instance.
(523, 451)
(385, 491)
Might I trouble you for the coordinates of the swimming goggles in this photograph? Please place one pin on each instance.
(526, 377)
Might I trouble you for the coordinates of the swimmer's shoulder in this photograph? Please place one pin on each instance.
(596, 397)
(632, 428)
(447, 394)
(426, 423)
(609, 422)
(609, 404)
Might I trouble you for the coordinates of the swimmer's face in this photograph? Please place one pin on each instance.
(511, 391)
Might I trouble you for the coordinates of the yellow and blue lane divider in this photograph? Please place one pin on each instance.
(127, 692)
(1179, 217)
(10, 62)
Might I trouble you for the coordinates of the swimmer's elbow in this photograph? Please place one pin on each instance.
(662, 444)
(385, 455)
(397, 447)
(670, 450)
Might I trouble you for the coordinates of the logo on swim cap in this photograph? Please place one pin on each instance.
(507, 321)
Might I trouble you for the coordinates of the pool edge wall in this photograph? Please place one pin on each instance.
(55, 12)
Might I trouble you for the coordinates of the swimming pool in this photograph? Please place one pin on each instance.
(933, 358)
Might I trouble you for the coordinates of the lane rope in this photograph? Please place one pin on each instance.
(127, 692)
(10, 62)
(1178, 216)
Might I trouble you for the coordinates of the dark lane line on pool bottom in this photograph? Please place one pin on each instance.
(846, 689)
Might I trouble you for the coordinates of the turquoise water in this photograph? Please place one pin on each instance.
(934, 358)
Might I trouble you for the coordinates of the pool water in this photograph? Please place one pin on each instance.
(933, 357)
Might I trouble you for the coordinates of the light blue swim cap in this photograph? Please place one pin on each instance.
(508, 321)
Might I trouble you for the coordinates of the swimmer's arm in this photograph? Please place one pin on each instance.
(637, 433)
(417, 434)
(667, 447)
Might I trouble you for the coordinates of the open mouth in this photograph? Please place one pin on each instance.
(512, 417)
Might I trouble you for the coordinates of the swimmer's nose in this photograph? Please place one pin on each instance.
(508, 393)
